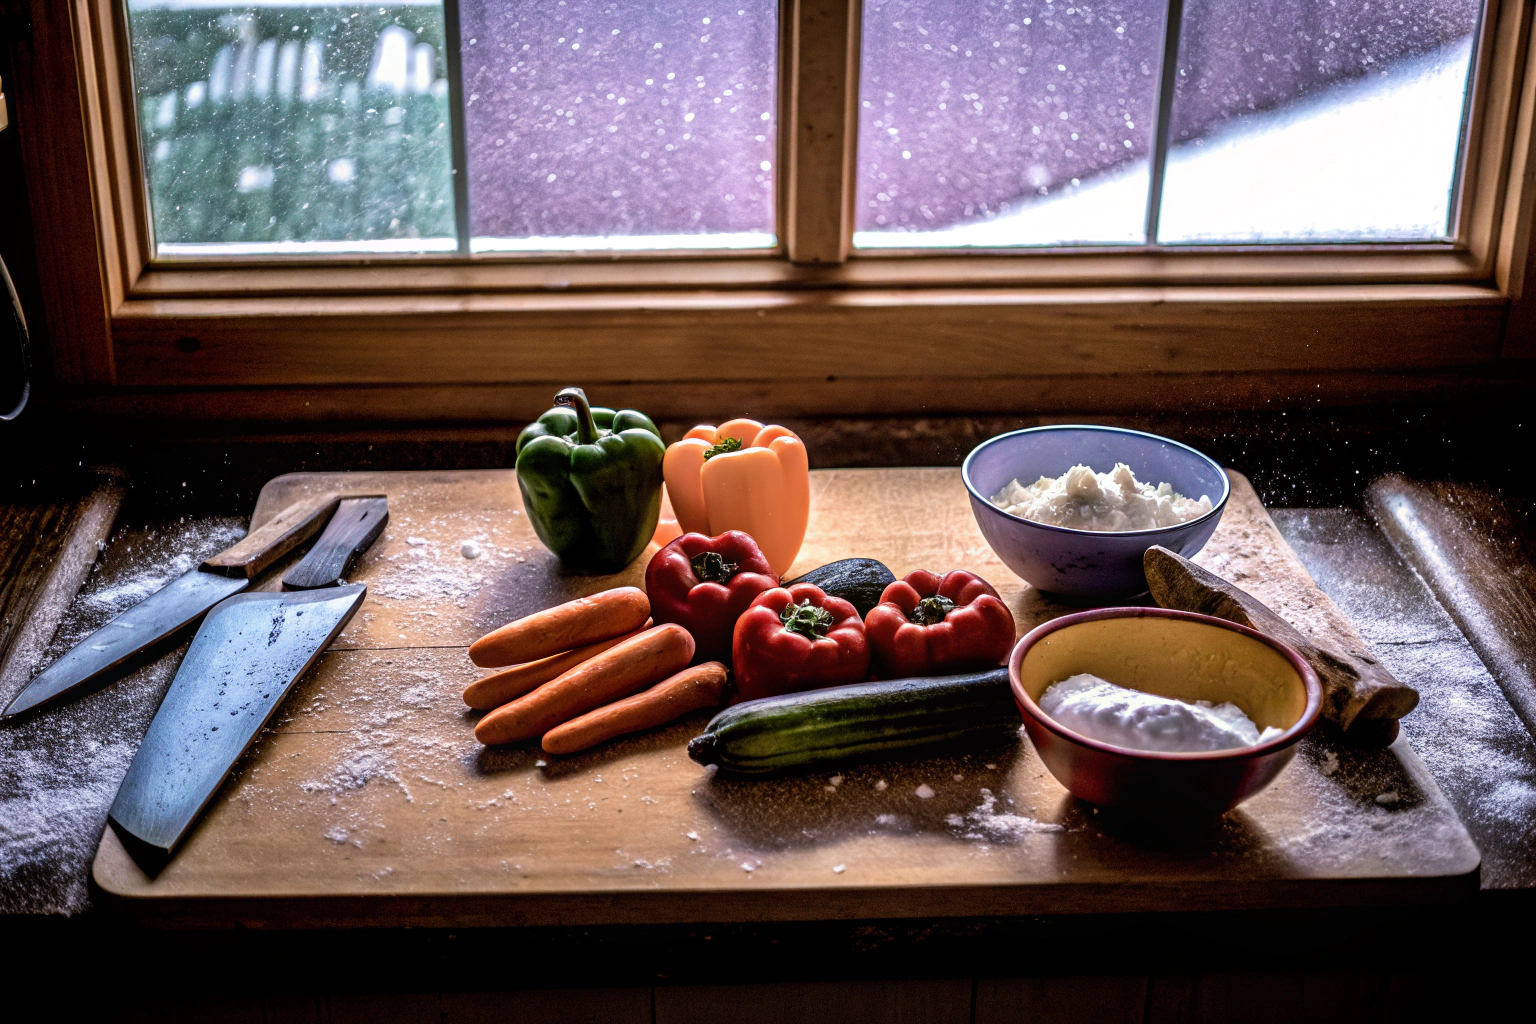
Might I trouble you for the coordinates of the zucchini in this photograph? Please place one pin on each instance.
(859, 581)
(844, 723)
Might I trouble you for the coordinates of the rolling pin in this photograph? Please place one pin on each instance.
(1359, 696)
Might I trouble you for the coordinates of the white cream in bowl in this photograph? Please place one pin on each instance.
(1123, 717)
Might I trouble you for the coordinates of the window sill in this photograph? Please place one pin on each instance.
(873, 351)
(1104, 268)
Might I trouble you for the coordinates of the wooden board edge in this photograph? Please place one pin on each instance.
(113, 871)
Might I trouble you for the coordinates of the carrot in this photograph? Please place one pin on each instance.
(490, 692)
(577, 623)
(691, 689)
(628, 668)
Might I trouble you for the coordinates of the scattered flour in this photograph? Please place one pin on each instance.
(987, 823)
(60, 770)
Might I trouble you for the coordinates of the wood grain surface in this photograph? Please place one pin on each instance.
(369, 802)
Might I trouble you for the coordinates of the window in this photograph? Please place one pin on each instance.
(1006, 123)
(443, 195)
(1317, 120)
(598, 125)
(293, 127)
(314, 126)
(1023, 122)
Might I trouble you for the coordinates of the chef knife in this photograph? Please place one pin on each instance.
(247, 655)
(100, 657)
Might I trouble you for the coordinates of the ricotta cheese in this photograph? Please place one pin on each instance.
(1084, 500)
(1103, 711)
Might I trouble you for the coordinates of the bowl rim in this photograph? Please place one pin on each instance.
(1027, 705)
(1214, 513)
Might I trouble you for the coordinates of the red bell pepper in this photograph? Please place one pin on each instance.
(927, 624)
(704, 584)
(797, 639)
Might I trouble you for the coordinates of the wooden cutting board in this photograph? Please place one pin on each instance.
(369, 801)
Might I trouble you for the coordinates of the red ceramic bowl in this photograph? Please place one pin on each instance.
(1172, 654)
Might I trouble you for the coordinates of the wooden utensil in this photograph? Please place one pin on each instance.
(351, 531)
(1359, 695)
(275, 538)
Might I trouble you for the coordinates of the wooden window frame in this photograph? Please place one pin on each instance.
(804, 330)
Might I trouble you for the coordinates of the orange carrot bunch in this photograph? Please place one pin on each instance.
(587, 671)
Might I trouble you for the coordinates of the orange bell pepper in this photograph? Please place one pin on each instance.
(667, 529)
(744, 476)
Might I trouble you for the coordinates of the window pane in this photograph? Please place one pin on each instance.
(293, 127)
(599, 125)
(1317, 120)
(1006, 122)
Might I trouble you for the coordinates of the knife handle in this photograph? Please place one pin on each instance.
(351, 531)
(274, 538)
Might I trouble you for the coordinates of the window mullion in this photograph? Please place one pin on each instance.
(453, 38)
(822, 125)
(1168, 76)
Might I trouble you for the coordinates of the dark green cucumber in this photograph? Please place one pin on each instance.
(845, 723)
(859, 581)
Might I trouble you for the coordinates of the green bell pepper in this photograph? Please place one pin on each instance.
(591, 481)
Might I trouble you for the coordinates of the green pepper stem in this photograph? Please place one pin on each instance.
(586, 427)
(711, 567)
(931, 611)
(806, 619)
(730, 444)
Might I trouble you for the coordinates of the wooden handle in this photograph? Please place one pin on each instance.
(274, 538)
(351, 531)
(1359, 694)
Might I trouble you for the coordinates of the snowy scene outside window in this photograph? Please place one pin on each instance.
(303, 126)
(315, 126)
(293, 127)
(599, 125)
(1016, 122)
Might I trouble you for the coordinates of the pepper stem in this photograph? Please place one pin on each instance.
(806, 619)
(730, 444)
(930, 611)
(586, 427)
(711, 567)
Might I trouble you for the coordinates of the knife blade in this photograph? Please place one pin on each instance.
(102, 656)
(247, 655)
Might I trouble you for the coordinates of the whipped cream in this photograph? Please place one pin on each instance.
(1103, 711)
